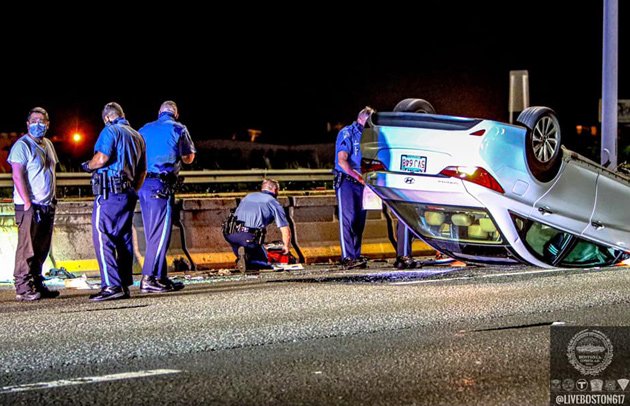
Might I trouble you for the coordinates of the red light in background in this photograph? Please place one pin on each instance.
(77, 137)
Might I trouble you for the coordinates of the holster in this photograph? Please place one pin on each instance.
(233, 225)
(170, 183)
(259, 236)
(336, 180)
(229, 226)
(99, 184)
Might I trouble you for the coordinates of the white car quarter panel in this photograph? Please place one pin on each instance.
(612, 213)
(570, 201)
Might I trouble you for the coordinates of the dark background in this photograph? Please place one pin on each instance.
(296, 78)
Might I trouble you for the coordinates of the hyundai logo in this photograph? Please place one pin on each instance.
(409, 180)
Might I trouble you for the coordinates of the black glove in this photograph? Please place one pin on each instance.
(86, 168)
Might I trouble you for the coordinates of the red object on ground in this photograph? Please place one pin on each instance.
(277, 257)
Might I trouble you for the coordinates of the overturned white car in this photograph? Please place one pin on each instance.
(489, 192)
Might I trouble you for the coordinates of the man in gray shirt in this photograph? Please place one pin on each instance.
(33, 160)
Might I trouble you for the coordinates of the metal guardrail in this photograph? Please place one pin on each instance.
(195, 177)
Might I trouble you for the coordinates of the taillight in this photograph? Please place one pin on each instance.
(479, 133)
(371, 165)
(473, 174)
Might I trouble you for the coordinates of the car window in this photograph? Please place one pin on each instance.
(558, 248)
(588, 254)
(458, 224)
(547, 242)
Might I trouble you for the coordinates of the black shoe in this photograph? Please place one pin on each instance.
(362, 262)
(350, 263)
(241, 261)
(170, 284)
(405, 262)
(47, 293)
(28, 296)
(110, 293)
(149, 284)
(260, 267)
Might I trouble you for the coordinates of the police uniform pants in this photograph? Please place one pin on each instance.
(256, 253)
(112, 220)
(35, 228)
(404, 238)
(157, 212)
(351, 218)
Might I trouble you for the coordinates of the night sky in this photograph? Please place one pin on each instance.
(456, 56)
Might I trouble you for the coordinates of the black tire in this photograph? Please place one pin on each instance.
(414, 106)
(543, 142)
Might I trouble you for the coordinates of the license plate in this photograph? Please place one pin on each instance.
(413, 163)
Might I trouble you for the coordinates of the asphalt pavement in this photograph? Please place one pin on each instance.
(437, 335)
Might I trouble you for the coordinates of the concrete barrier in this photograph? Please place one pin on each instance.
(314, 222)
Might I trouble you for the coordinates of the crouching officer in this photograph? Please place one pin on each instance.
(245, 228)
(168, 145)
(119, 166)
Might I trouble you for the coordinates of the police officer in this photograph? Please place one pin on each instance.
(119, 165)
(33, 160)
(404, 259)
(349, 188)
(404, 239)
(168, 144)
(246, 227)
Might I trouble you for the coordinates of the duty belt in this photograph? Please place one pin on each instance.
(243, 229)
(103, 185)
(258, 233)
(341, 176)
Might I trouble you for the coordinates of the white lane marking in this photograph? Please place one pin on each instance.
(481, 276)
(87, 379)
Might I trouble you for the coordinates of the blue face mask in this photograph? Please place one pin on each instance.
(37, 130)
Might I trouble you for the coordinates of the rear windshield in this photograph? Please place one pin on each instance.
(458, 224)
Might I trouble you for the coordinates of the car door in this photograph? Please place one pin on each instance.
(610, 222)
(569, 203)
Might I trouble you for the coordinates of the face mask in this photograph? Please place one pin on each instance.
(37, 130)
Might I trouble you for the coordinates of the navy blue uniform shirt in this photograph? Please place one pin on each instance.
(349, 140)
(124, 147)
(260, 209)
(167, 141)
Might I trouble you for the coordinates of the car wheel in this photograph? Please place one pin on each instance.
(542, 143)
(414, 106)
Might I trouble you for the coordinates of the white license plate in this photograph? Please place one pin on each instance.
(413, 163)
